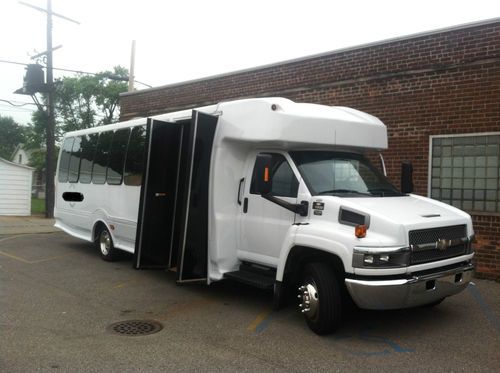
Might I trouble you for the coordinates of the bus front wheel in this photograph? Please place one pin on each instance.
(319, 297)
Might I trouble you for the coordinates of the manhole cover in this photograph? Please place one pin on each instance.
(135, 327)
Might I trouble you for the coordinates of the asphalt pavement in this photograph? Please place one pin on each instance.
(58, 300)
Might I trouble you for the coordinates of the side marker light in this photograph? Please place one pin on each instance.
(360, 231)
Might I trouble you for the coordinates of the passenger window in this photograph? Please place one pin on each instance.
(74, 161)
(101, 157)
(89, 144)
(135, 154)
(117, 156)
(64, 161)
(285, 184)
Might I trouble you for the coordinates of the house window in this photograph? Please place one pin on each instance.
(465, 171)
(20, 158)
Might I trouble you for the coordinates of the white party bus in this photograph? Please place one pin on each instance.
(268, 192)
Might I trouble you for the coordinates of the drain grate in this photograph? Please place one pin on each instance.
(134, 328)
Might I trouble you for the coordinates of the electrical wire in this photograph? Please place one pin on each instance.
(112, 77)
(11, 103)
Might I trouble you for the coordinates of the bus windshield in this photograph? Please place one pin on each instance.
(341, 174)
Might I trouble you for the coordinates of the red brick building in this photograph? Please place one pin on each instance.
(437, 92)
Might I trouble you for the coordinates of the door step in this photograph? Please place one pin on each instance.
(256, 276)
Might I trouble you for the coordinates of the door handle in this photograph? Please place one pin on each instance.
(239, 190)
(161, 194)
(245, 205)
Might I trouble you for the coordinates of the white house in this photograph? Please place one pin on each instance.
(21, 155)
(15, 188)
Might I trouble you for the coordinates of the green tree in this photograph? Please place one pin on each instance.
(11, 134)
(83, 101)
(87, 101)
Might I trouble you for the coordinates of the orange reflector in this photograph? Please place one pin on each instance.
(266, 174)
(360, 231)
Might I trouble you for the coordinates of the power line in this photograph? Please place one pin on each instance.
(112, 77)
(13, 104)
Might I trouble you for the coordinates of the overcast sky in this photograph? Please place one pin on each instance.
(188, 39)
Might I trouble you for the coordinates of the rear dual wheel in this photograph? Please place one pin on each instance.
(104, 243)
(320, 298)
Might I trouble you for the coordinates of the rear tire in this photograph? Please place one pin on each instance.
(104, 244)
(320, 298)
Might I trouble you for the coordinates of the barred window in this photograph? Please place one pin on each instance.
(465, 171)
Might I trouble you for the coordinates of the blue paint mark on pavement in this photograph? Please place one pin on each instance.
(365, 336)
(487, 311)
(263, 325)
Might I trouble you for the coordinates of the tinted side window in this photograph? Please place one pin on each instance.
(101, 157)
(285, 184)
(117, 156)
(74, 161)
(89, 144)
(64, 161)
(135, 155)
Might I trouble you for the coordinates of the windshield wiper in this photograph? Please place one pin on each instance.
(333, 191)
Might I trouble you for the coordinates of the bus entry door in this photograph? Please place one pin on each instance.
(155, 223)
(172, 227)
(194, 183)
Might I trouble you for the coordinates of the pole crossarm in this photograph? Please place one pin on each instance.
(52, 13)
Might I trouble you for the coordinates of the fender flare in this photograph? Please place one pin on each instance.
(314, 243)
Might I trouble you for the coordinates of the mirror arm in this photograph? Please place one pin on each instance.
(298, 208)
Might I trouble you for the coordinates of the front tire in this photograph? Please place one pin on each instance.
(104, 244)
(320, 298)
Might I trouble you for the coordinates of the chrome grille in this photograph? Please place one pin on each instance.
(422, 243)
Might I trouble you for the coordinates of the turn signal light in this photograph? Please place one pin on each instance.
(360, 231)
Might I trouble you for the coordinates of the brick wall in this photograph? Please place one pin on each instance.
(438, 83)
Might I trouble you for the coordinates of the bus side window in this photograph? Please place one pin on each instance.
(89, 143)
(117, 156)
(135, 155)
(101, 157)
(64, 161)
(74, 160)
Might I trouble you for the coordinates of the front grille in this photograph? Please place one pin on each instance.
(421, 237)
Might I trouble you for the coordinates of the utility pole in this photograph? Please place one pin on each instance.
(131, 75)
(51, 123)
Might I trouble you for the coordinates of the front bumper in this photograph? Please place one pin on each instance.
(408, 292)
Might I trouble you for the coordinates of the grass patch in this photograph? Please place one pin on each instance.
(37, 206)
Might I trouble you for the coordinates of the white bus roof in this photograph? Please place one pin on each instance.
(282, 122)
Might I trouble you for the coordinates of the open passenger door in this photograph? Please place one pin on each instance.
(156, 220)
(172, 228)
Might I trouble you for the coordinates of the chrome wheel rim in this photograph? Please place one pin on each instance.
(308, 299)
(105, 242)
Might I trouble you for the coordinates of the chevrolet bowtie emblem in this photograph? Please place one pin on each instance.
(442, 244)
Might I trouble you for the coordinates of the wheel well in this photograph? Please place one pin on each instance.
(299, 256)
(98, 227)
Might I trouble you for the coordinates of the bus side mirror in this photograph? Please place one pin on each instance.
(406, 177)
(262, 173)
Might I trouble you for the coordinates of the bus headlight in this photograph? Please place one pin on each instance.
(381, 257)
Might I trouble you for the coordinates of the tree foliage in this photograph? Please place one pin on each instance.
(81, 102)
(11, 134)
(87, 101)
